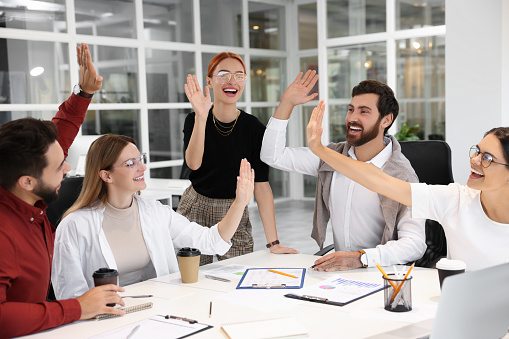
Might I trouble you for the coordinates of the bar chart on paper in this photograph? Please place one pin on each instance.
(337, 290)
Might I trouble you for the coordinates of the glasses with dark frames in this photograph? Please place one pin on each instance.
(486, 158)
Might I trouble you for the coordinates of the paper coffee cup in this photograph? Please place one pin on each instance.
(189, 262)
(104, 276)
(447, 267)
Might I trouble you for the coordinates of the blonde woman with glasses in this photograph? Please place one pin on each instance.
(475, 217)
(216, 137)
(111, 225)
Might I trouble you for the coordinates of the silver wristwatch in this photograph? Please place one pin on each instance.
(78, 91)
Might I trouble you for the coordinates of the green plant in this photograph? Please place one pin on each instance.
(407, 133)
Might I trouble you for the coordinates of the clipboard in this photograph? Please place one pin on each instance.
(337, 291)
(271, 278)
(158, 326)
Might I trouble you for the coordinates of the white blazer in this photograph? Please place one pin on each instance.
(81, 246)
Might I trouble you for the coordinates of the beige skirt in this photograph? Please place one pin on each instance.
(208, 212)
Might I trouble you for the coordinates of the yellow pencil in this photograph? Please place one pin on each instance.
(385, 275)
(288, 275)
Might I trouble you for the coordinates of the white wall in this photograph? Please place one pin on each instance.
(477, 75)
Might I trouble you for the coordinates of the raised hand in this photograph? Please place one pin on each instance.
(94, 301)
(315, 128)
(90, 82)
(201, 103)
(297, 92)
(245, 183)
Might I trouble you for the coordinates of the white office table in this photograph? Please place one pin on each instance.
(164, 188)
(171, 296)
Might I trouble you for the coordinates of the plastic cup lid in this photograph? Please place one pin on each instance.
(105, 273)
(447, 264)
(188, 252)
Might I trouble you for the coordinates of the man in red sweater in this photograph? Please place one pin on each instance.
(32, 166)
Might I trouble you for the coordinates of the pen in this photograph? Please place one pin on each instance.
(213, 277)
(396, 289)
(137, 296)
(409, 270)
(282, 273)
(210, 310)
(396, 273)
(191, 321)
(136, 328)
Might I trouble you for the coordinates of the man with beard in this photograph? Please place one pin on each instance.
(367, 227)
(32, 167)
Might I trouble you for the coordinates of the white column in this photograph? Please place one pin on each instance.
(477, 75)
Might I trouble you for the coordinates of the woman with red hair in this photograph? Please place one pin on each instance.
(216, 137)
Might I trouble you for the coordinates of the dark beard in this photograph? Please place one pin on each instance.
(45, 192)
(365, 137)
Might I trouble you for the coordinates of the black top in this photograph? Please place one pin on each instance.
(217, 176)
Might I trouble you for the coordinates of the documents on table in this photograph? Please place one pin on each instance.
(270, 328)
(272, 278)
(159, 326)
(226, 273)
(229, 272)
(337, 291)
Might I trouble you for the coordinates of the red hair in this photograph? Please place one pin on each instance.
(220, 57)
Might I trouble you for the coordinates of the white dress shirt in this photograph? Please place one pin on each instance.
(81, 246)
(355, 212)
(471, 235)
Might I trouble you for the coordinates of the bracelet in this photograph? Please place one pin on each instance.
(275, 242)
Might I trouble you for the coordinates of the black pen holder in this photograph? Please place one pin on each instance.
(397, 294)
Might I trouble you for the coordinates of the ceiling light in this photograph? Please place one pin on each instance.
(37, 71)
(44, 6)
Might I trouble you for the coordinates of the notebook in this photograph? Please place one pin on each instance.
(472, 305)
(131, 305)
(264, 329)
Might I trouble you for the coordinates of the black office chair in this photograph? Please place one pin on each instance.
(69, 191)
(431, 160)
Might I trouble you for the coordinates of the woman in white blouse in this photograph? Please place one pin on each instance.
(475, 217)
(111, 225)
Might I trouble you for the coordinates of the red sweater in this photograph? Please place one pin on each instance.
(26, 246)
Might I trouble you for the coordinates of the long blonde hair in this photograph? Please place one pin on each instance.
(102, 155)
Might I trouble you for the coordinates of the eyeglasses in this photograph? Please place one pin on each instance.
(134, 163)
(486, 158)
(224, 77)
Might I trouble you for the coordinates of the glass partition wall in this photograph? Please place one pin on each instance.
(398, 42)
(144, 49)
